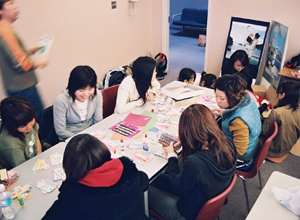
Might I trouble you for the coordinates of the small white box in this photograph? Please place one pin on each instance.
(169, 88)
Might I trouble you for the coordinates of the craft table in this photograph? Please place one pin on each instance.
(267, 206)
(36, 207)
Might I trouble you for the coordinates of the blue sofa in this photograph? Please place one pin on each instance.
(190, 17)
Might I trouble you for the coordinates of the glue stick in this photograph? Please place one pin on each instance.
(122, 148)
(19, 196)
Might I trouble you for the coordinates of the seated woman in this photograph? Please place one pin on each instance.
(80, 105)
(135, 90)
(96, 186)
(207, 165)
(187, 75)
(207, 80)
(238, 64)
(240, 118)
(287, 115)
(19, 140)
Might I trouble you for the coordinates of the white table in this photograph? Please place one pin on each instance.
(36, 207)
(267, 206)
(156, 164)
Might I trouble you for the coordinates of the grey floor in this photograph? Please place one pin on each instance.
(185, 52)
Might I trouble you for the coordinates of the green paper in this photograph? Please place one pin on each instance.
(152, 121)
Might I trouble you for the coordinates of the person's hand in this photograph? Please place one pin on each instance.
(34, 50)
(149, 96)
(248, 26)
(217, 111)
(40, 63)
(170, 148)
(177, 144)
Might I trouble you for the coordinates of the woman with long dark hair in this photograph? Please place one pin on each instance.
(287, 115)
(208, 165)
(238, 64)
(96, 186)
(80, 105)
(135, 90)
(19, 140)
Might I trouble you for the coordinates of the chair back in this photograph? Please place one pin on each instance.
(213, 207)
(47, 134)
(109, 97)
(262, 153)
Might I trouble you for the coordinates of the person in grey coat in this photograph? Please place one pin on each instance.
(80, 105)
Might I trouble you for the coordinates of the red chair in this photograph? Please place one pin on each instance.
(261, 155)
(109, 96)
(212, 208)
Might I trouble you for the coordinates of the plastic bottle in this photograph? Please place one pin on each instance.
(146, 145)
(8, 209)
(122, 148)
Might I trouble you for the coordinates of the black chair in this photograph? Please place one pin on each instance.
(47, 134)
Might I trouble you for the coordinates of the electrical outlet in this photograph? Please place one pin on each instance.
(113, 4)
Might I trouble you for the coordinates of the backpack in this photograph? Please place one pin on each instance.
(161, 65)
(114, 77)
(295, 62)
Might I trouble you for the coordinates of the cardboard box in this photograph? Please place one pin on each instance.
(168, 90)
(179, 103)
(271, 96)
(259, 90)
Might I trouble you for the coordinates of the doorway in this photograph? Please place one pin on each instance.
(182, 49)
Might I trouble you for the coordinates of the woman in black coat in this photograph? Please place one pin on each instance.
(96, 186)
(238, 64)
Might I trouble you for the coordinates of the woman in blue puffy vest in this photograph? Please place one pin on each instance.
(240, 118)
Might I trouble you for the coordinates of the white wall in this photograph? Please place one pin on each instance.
(88, 33)
(221, 11)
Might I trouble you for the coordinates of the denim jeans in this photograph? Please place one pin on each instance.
(162, 200)
(30, 94)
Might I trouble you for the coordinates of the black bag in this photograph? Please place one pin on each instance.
(114, 77)
(47, 134)
(295, 62)
(161, 65)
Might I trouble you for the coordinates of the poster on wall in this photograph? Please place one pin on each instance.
(276, 52)
(248, 35)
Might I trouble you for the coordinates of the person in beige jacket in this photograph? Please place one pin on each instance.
(287, 115)
(134, 91)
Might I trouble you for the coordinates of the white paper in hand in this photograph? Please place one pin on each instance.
(45, 42)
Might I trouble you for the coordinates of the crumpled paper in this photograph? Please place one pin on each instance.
(289, 198)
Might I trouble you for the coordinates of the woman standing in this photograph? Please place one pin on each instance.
(208, 165)
(19, 140)
(80, 105)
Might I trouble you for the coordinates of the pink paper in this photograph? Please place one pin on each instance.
(137, 120)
